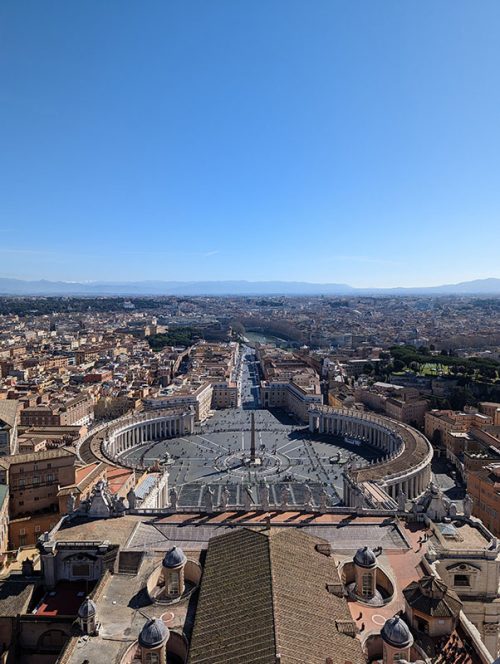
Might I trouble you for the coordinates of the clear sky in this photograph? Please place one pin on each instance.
(352, 141)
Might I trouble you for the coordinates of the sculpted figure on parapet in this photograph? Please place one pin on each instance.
(209, 498)
(285, 497)
(132, 499)
(468, 505)
(224, 498)
(70, 503)
(323, 501)
(174, 497)
(402, 497)
(264, 496)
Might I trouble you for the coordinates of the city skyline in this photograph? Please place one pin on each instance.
(329, 143)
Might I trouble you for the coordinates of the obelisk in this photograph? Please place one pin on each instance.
(252, 440)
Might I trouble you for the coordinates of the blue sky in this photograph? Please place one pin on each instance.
(331, 141)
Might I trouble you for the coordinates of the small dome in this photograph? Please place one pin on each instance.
(154, 634)
(396, 633)
(87, 609)
(174, 557)
(365, 557)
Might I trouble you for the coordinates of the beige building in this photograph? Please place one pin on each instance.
(34, 481)
(491, 409)
(291, 397)
(439, 424)
(195, 396)
(224, 395)
(74, 411)
(483, 485)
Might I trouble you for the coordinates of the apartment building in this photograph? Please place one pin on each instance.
(60, 412)
(192, 395)
(484, 487)
(491, 409)
(33, 482)
(224, 395)
(440, 424)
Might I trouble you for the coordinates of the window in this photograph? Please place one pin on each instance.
(152, 658)
(173, 584)
(462, 580)
(37, 529)
(80, 569)
(367, 585)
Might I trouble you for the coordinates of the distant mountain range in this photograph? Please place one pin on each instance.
(136, 288)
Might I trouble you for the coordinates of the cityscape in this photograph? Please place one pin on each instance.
(249, 332)
(153, 448)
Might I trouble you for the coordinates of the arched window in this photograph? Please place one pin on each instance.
(367, 585)
(152, 658)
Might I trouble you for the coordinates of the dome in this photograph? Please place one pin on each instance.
(397, 633)
(174, 557)
(154, 634)
(87, 609)
(365, 557)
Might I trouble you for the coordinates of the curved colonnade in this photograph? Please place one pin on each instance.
(131, 431)
(406, 460)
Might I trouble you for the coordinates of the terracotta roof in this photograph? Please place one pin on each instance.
(265, 593)
(43, 455)
(456, 649)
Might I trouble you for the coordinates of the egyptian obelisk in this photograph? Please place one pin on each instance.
(252, 440)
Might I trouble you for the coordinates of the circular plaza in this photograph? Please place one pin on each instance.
(217, 456)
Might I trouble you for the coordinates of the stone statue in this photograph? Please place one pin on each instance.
(247, 499)
(224, 498)
(323, 501)
(119, 506)
(101, 504)
(132, 499)
(84, 506)
(307, 495)
(70, 503)
(174, 497)
(27, 567)
(468, 504)
(285, 497)
(402, 501)
(209, 499)
(452, 512)
(264, 497)
(414, 508)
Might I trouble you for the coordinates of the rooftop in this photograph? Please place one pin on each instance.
(274, 584)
